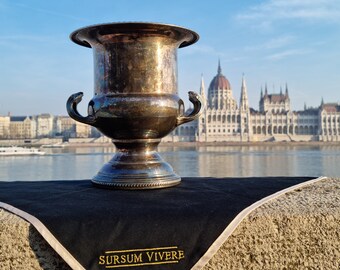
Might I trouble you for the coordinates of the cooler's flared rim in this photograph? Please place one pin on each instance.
(76, 36)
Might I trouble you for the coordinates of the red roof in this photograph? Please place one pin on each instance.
(219, 82)
(276, 98)
(331, 107)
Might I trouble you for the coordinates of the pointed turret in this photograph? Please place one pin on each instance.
(202, 91)
(281, 90)
(286, 94)
(219, 69)
(261, 97)
(202, 88)
(265, 90)
(244, 96)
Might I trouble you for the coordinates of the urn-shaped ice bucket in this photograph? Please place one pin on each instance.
(135, 99)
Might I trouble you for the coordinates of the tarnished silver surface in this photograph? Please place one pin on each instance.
(135, 98)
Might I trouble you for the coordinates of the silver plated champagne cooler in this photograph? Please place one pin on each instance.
(136, 100)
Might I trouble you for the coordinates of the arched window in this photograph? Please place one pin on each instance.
(269, 129)
(290, 129)
(305, 130)
(258, 131)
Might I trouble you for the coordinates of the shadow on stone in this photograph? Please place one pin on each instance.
(47, 257)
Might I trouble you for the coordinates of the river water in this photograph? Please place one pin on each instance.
(215, 161)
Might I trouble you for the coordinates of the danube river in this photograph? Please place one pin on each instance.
(215, 161)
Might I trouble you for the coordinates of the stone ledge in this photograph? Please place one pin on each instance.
(22, 247)
(299, 230)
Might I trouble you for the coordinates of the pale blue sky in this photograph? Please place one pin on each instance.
(272, 41)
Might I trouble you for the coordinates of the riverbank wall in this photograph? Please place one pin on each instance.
(106, 142)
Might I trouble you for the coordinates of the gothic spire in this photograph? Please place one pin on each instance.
(287, 91)
(243, 82)
(202, 89)
(244, 96)
(219, 69)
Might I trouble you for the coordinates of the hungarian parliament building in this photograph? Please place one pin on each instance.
(223, 120)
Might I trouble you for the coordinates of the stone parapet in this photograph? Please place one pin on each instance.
(298, 230)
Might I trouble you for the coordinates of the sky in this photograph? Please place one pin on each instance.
(273, 42)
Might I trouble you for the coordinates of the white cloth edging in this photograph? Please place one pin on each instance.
(240, 217)
(46, 234)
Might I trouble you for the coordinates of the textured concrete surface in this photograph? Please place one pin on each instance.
(22, 247)
(299, 230)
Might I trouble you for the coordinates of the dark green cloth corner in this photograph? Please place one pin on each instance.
(180, 223)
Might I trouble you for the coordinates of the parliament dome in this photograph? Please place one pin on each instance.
(219, 81)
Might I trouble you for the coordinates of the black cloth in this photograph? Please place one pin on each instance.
(182, 221)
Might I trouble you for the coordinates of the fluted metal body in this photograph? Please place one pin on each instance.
(135, 98)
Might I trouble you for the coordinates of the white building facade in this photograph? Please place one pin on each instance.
(223, 120)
